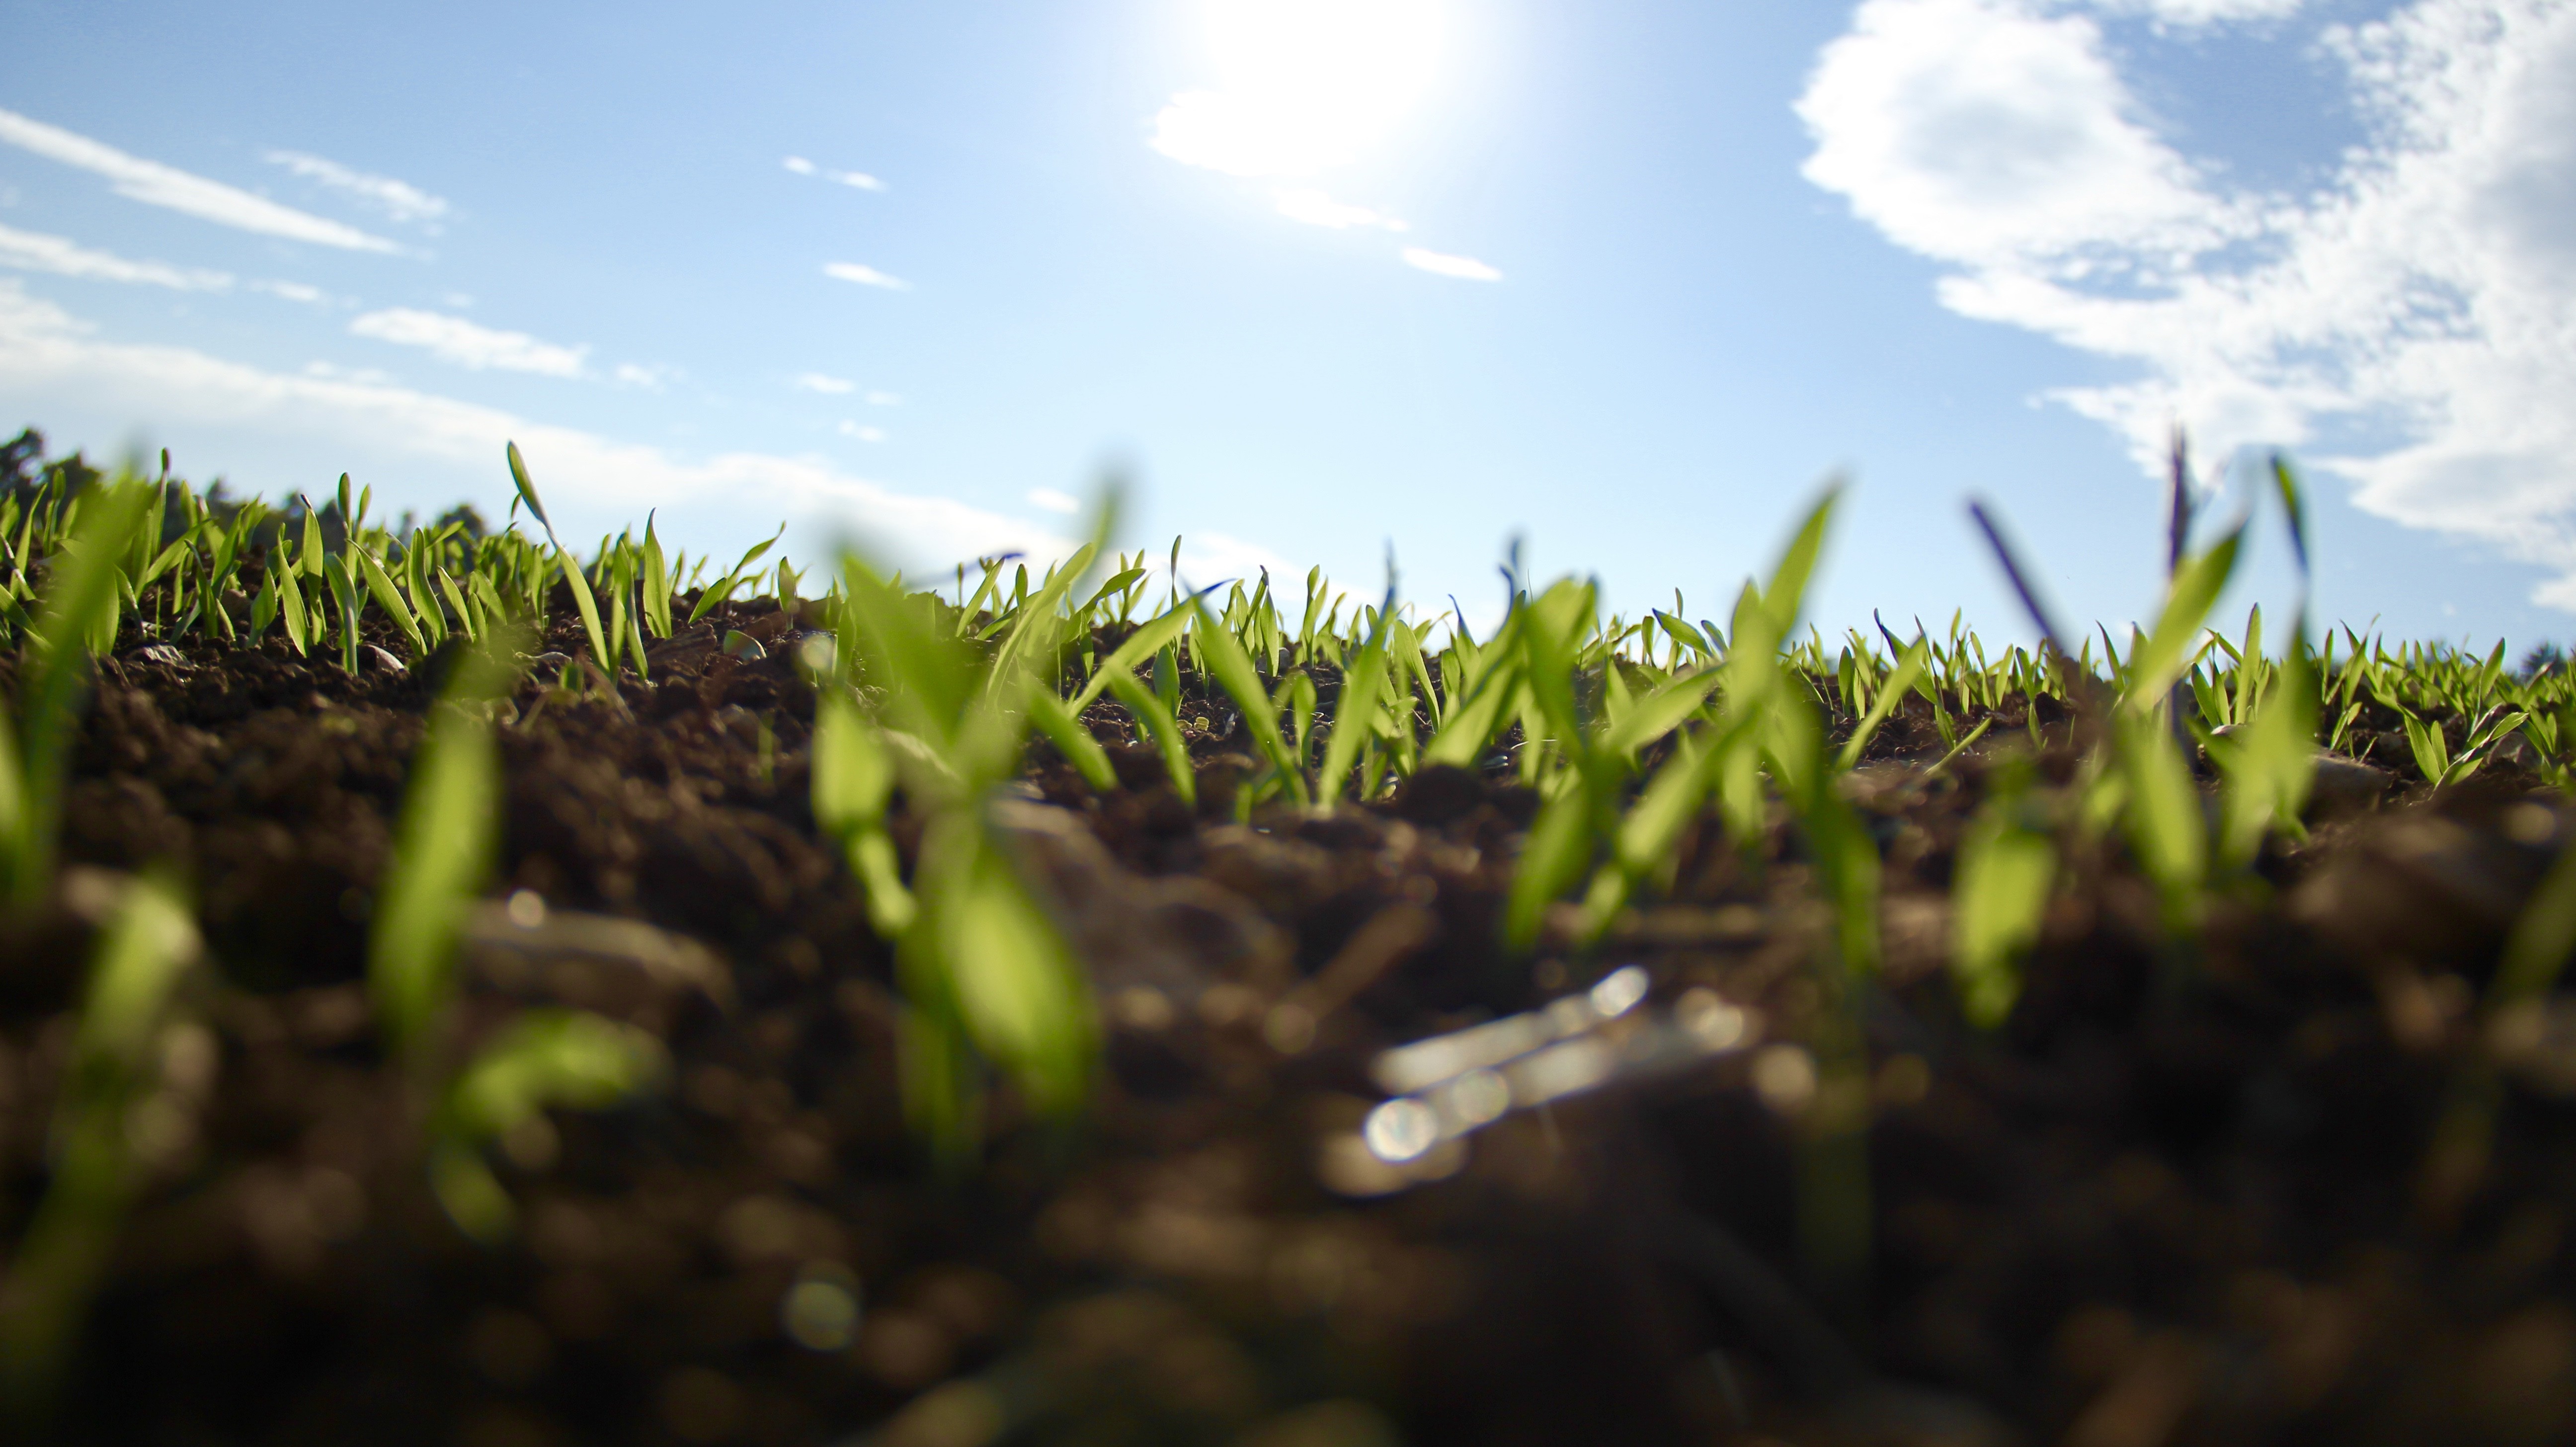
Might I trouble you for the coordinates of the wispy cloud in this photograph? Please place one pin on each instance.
(863, 432)
(865, 275)
(456, 340)
(650, 379)
(1315, 208)
(590, 481)
(35, 251)
(2187, 14)
(1441, 263)
(293, 291)
(1054, 501)
(884, 399)
(155, 184)
(858, 179)
(2412, 321)
(398, 199)
(828, 386)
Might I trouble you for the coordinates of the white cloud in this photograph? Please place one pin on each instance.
(35, 251)
(456, 340)
(47, 354)
(1054, 501)
(829, 386)
(634, 374)
(1441, 263)
(292, 291)
(155, 184)
(863, 432)
(1972, 130)
(1315, 208)
(884, 399)
(2188, 14)
(334, 372)
(865, 276)
(860, 180)
(398, 199)
(2424, 296)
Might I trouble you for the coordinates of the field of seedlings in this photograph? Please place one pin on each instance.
(470, 986)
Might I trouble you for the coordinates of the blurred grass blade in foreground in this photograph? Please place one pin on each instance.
(75, 618)
(150, 939)
(443, 850)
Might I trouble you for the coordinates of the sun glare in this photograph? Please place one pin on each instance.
(1305, 86)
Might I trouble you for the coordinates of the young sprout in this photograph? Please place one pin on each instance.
(75, 619)
(572, 574)
(444, 845)
(149, 942)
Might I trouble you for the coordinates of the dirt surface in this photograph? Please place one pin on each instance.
(2180, 1197)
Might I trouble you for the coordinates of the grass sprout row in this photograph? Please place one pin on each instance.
(2193, 751)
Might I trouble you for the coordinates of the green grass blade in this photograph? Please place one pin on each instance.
(1157, 720)
(443, 850)
(1998, 899)
(541, 1059)
(1660, 712)
(1222, 654)
(80, 602)
(147, 945)
(1071, 739)
(1148, 640)
(380, 585)
(2155, 665)
(1909, 670)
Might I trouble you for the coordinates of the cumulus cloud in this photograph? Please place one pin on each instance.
(829, 386)
(1054, 501)
(865, 275)
(456, 340)
(35, 251)
(398, 199)
(45, 352)
(1441, 263)
(155, 184)
(860, 180)
(2423, 298)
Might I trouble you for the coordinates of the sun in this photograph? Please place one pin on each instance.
(1307, 85)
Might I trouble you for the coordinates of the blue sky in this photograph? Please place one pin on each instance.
(924, 270)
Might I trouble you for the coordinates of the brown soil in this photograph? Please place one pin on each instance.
(2178, 1199)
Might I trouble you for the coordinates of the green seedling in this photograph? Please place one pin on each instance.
(444, 845)
(540, 1060)
(571, 570)
(985, 974)
(75, 620)
(2006, 867)
(148, 944)
(854, 779)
